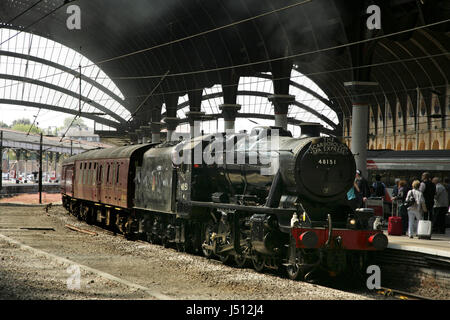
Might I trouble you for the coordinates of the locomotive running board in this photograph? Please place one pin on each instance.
(229, 206)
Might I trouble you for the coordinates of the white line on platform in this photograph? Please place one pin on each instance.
(108, 276)
(411, 247)
(20, 204)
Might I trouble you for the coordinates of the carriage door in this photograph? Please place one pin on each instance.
(98, 193)
(71, 171)
(94, 182)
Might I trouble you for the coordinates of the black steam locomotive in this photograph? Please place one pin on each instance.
(263, 197)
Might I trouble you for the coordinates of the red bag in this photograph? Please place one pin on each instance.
(395, 227)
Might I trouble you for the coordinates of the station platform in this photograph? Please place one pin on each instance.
(9, 189)
(438, 245)
(422, 266)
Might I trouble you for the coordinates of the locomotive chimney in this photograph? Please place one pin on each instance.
(310, 129)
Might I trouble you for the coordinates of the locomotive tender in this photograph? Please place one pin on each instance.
(279, 201)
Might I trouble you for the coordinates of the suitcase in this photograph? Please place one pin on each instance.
(395, 226)
(424, 229)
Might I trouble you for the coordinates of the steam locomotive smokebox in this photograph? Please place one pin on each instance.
(310, 129)
(324, 169)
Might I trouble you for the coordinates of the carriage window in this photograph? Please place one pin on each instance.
(107, 174)
(100, 172)
(117, 177)
(84, 173)
(94, 174)
(113, 172)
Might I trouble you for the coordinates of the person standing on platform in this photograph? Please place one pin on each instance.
(352, 196)
(416, 210)
(428, 190)
(396, 188)
(395, 198)
(401, 193)
(379, 187)
(362, 189)
(440, 207)
(402, 211)
(446, 185)
(402, 190)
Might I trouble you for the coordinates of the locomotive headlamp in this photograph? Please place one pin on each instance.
(351, 222)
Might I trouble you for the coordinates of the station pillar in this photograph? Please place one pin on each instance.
(146, 134)
(281, 104)
(133, 137)
(195, 115)
(139, 135)
(194, 118)
(229, 112)
(156, 132)
(172, 123)
(171, 119)
(360, 92)
(57, 159)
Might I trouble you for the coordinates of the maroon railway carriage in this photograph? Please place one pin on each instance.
(102, 178)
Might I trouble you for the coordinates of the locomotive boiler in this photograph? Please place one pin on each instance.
(263, 197)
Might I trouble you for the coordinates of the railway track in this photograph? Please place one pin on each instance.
(168, 272)
(399, 294)
(322, 281)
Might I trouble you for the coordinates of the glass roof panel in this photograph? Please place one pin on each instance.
(40, 47)
(257, 103)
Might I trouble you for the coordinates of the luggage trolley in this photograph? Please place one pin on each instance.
(377, 204)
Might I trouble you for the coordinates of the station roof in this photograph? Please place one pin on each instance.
(129, 40)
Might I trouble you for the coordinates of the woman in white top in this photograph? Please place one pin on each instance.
(416, 210)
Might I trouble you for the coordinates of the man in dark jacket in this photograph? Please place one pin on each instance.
(428, 189)
(379, 187)
(446, 185)
(364, 190)
(440, 206)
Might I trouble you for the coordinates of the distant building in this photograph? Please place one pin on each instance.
(82, 134)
